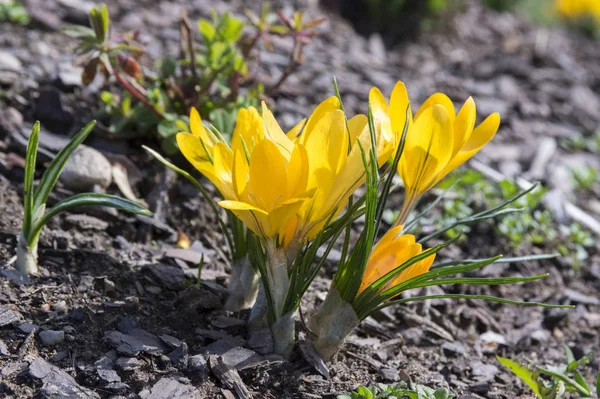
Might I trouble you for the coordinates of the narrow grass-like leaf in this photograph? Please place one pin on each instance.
(526, 258)
(464, 296)
(481, 281)
(257, 258)
(526, 375)
(50, 177)
(203, 191)
(30, 160)
(467, 221)
(598, 385)
(88, 199)
(570, 358)
(566, 379)
(581, 381)
(508, 201)
(409, 225)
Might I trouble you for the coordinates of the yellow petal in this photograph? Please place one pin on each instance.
(240, 175)
(196, 123)
(441, 99)
(282, 215)
(240, 206)
(297, 171)
(248, 214)
(194, 152)
(249, 129)
(223, 168)
(464, 124)
(427, 151)
(399, 102)
(415, 270)
(268, 178)
(295, 132)
(481, 135)
(274, 133)
(356, 125)
(329, 105)
(381, 115)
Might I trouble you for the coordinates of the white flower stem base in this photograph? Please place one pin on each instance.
(334, 321)
(243, 286)
(27, 257)
(284, 334)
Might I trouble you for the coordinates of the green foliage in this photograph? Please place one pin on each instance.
(579, 142)
(584, 179)
(14, 12)
(533, 226)
(35, 214)
(555, 382)
(501, 5)
(212, 76)
(401, 390)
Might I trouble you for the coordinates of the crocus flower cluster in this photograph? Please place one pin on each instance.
(575, 9)
(293, 190)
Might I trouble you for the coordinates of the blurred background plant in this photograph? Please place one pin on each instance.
(12, 11)
(402, 390)
(556, 382)
(533, 226)
(215, 76)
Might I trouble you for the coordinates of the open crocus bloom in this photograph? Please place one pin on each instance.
(438, 140)
(336, 167)
(392, 251)
(207, 153)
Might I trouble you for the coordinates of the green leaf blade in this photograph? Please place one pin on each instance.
(527, 376)
(30, 161)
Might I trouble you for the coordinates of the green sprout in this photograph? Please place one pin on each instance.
(555, 382)
(35, 214)
(401, 390)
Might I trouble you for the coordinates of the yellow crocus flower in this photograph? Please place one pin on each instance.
(574, 9)
(438, 140)
(207, 153)
(335, 164)
(392, 251)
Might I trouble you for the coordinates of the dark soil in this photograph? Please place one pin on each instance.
(112, 284)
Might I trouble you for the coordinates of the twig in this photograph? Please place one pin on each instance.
(137, 94)
(185, 31)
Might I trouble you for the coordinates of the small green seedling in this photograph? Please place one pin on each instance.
(35, 214)
(401, 390)
(555, 382)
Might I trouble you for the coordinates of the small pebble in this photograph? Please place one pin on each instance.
(51, 337)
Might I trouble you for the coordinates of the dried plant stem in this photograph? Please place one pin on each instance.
(27, 256)
(243, 286)
(334, 321)
(135, 93)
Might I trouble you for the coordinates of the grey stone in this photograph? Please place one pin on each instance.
(108, 375)
(136, 341)
(28, 327)
(453, 348)
(69, 75)
(126, 324)
(578, 297)
(57, 383)
(173, 342)
(171, 276)
(483, 372)
(8, 316)
(388, 374)
(87, 222)
(51, 337)
(85, 169)
(261, 341)
(4, 349)
(17, 277)
(128, 363)
(170, 388)
(234, 357)
(179, 357)
(198, 365)
(9, 62)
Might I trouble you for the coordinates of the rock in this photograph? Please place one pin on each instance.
(28, 327)
(108, 375)
(173, 342)
(389, 374)
(69, 330)
(453, 348)
(60, 307)
(85, 169)
(51, 111)
(69, 75)
(4, 349)
(490, 341)
(197, 365)
(261, 341)
(104, 362)
(170, 388)
(86, 222)
(578, 297)
(179, 357)
(553, 316)
(77, 314)
(128, 363)
(57, 383)
(51, 337)
(8, 317)
(171, 276)
(541, 336)
(10, 62)
(483, 372)
(17, 277)
(126, 324)
(136, 341)
(86, 283)
(225, 322)
(234, 357)
(59, 356)
(188, 255)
